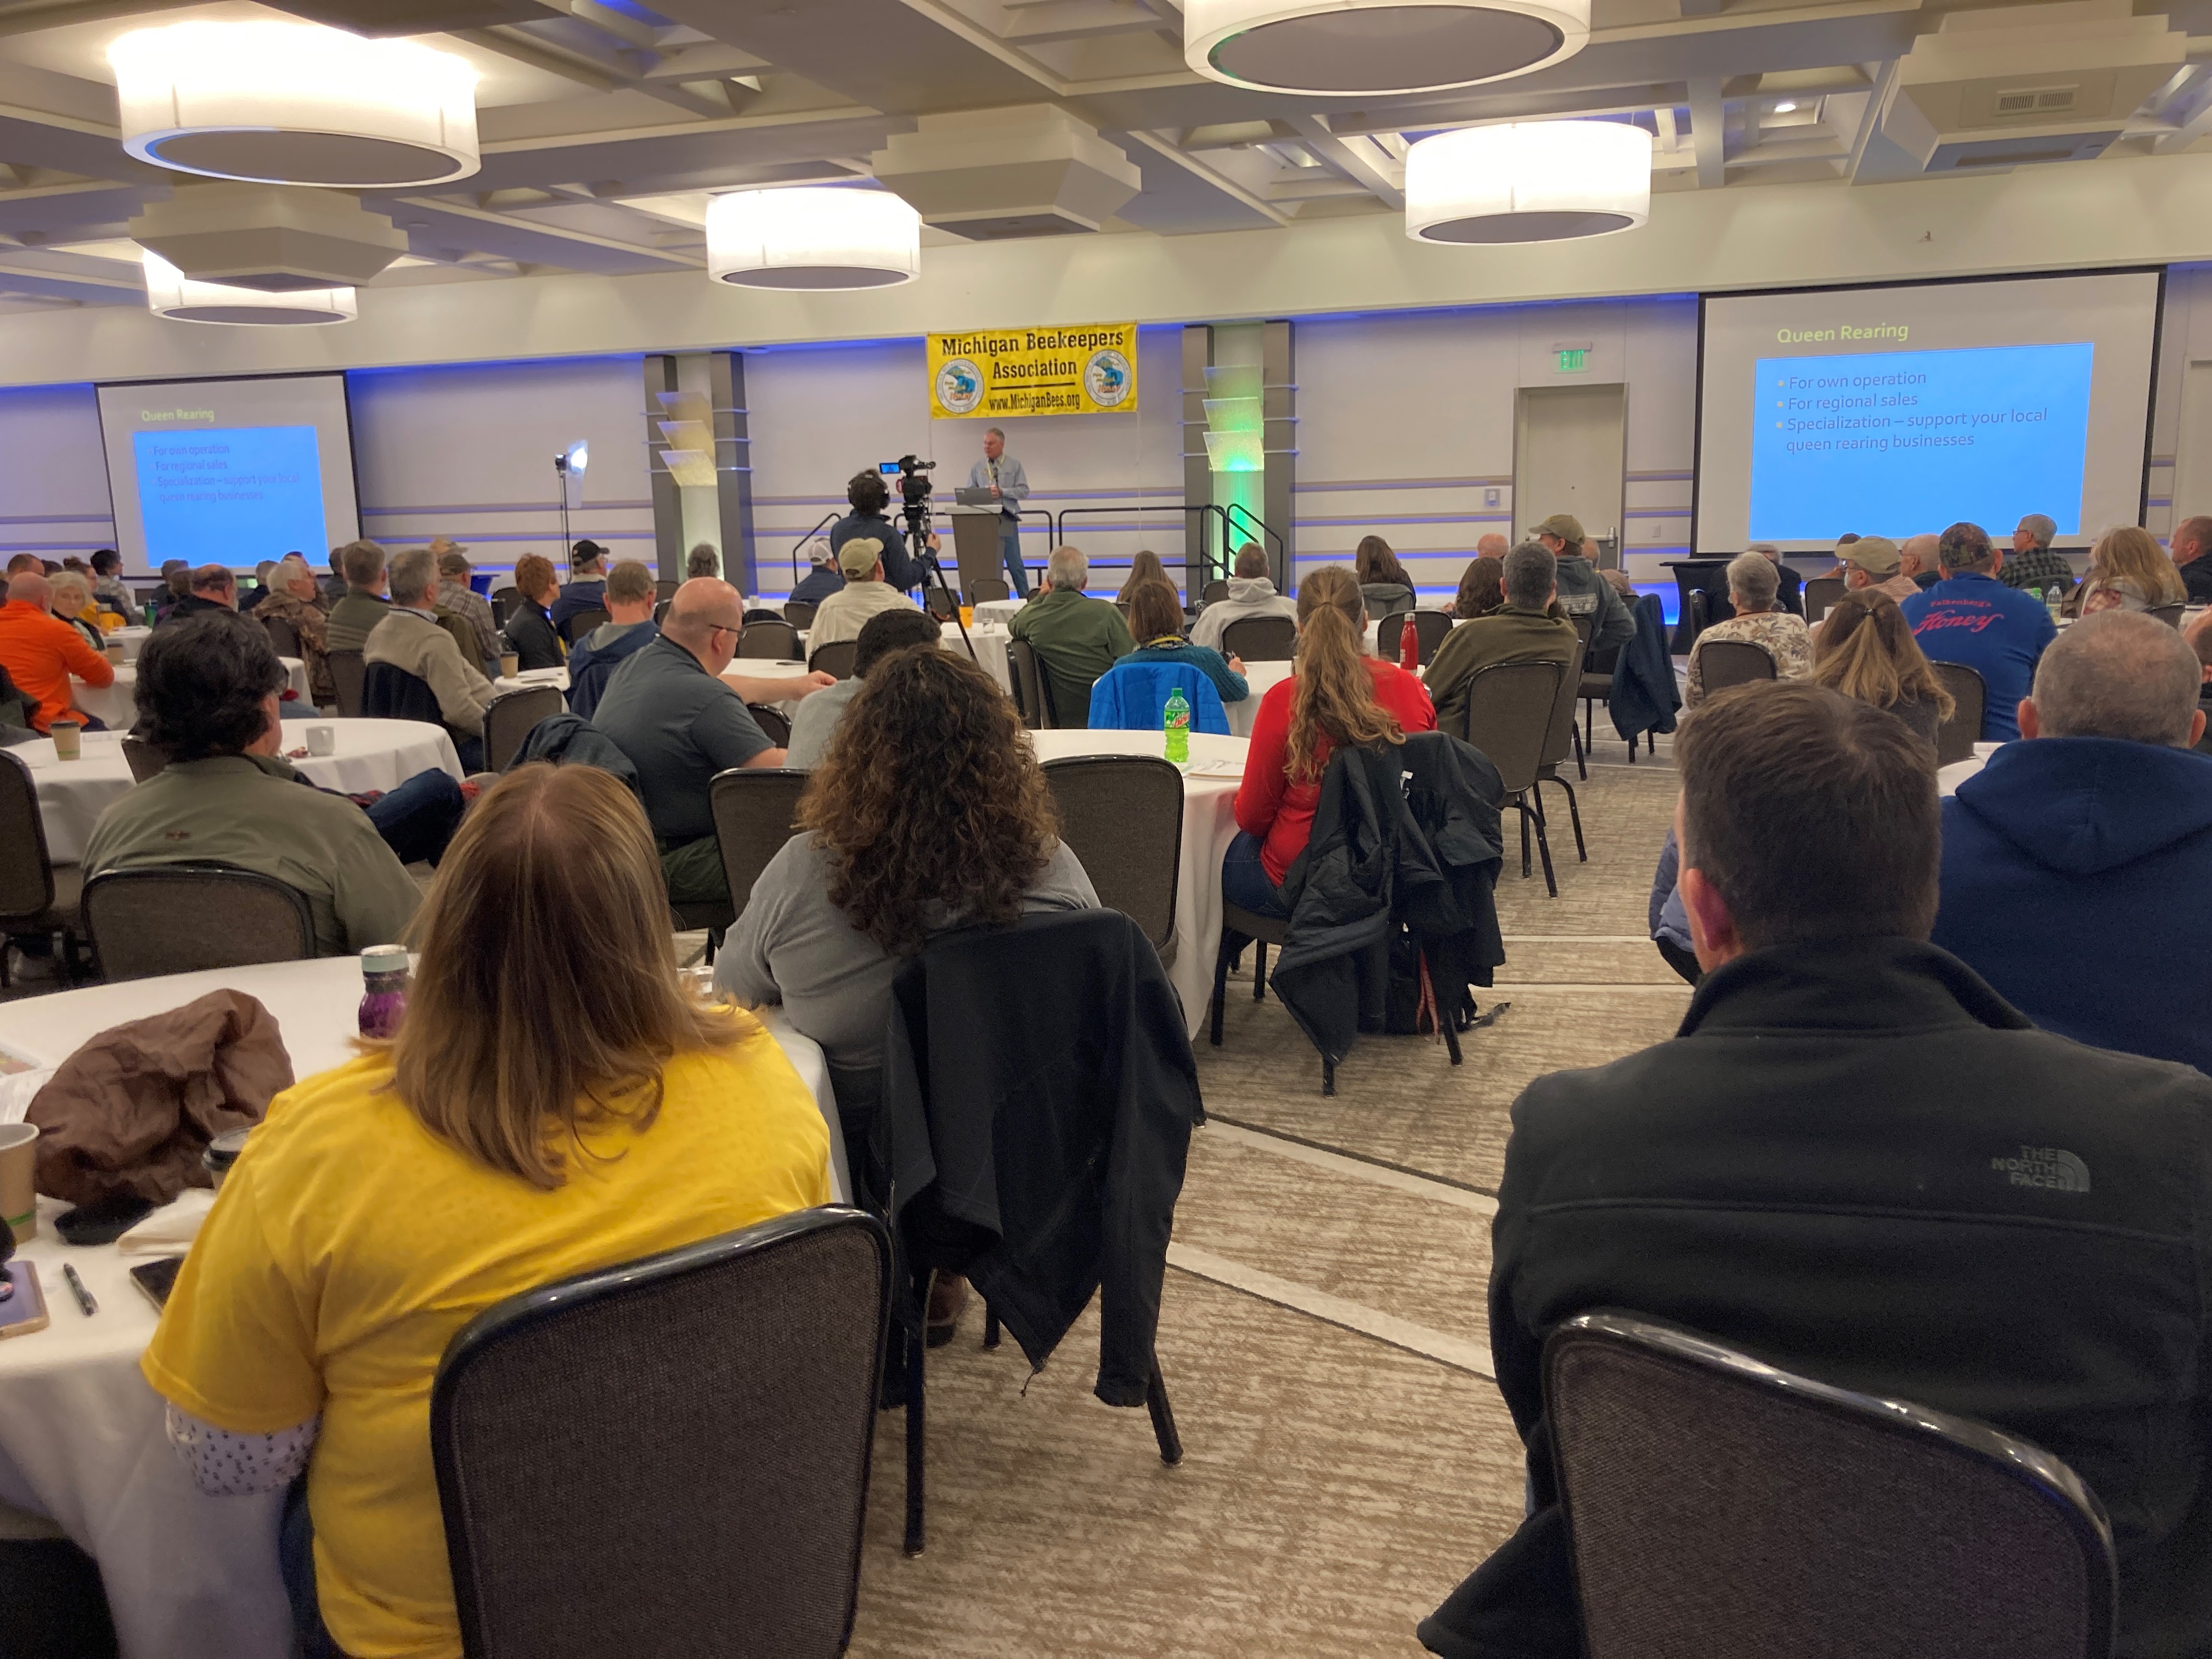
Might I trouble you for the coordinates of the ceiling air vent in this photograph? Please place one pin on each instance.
(2036, 101)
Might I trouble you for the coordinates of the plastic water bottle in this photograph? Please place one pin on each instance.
(1177, 725)
(2052, 601)
(383, 989)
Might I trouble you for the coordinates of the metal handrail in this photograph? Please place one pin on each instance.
(1236, 510)
(827, 518)
(1056, 523)
(1206, 511)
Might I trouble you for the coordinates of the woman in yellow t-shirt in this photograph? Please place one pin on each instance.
(384, 1204)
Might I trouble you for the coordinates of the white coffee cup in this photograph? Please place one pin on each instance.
(322, 740)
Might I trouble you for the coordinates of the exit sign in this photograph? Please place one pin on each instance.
(1574, 361)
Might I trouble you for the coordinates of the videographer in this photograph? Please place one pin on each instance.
(1002, 475)
(870, 494)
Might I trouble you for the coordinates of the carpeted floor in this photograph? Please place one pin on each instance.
(1324, 1337)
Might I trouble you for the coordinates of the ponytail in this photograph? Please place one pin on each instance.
(1334, 696)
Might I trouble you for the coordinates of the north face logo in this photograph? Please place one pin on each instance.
(2052, 1168)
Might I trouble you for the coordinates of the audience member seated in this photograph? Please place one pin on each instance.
(108, 588)
(1383, 583)
(823, 580)
(1482, 587)
(248, 601)
(1076, 639)
(2033, 561)
(1789, 584)
(585, 588)
(1864, 650)
(208, 691)
(334, 588)
(292, 599)
(71, 599)
(1251, 593)
(1856, 1162)
(869, 495)
(597, 1113)
(1916, 557)
(2192, 541)
(1974, 619)
(529, 631)
(928, 811)
(1581, 591)
(1156, 623)
(864, 594)
(40, 652)
(702, 561)
(632, 598)
(2129, 571)
(457, 598)
(211, 587)
(410, 639)
(680, 719)
(1336, 693)
(356, 617)
(2077, 866)
(24, 564)
(1758, 621)
(817, 718)
(1872, 564)
(1145, 566)
(1527, 628)
(2199, 635)
(176, 586)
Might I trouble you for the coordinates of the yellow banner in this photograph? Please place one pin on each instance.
(1089, 369)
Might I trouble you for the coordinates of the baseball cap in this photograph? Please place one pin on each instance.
(859, 556)
(453, 561)
(583, 551)
(1875, 555)
(1565, 526)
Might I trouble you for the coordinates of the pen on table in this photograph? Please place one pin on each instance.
(77, 1289)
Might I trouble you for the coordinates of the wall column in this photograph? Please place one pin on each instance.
(700, 459)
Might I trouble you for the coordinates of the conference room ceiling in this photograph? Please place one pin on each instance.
(606, 125)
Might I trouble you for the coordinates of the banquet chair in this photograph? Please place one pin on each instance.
(2168, 613)
(183, 918)
(1032, 694)
(756, 811)
(1429, 628)
(502, 602)
(36, 896)
(1564, 735)
(774, 724)
(142, 758)
(580, 625)
(1511, 711)
(1216, 589)
(772, 641)
(987, 588)
(1723, 663)
(834, 659)
(665, 588)
(508, 718)
(1121, 816)
(1821, 593)
(944, 604)
(282, 636)
(1719, 1508)
(1260, 638)
(671, 1455)
(760, 613)
(660, 612)
(347, 672)
(798, 614)
(1970, 695)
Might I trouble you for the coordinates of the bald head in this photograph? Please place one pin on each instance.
(1492, 546)
(702, 606)
(2119, 674)
(1918, 553)
(30, 587)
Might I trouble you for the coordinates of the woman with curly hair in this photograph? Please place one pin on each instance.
(2129, 571)
(1481, 588)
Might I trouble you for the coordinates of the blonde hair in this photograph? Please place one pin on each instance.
(546, 1000)
(65, 582)
(2133, 558)
(1333, 697)
(1864, 649)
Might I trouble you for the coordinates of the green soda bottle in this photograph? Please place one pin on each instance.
(1177, 725)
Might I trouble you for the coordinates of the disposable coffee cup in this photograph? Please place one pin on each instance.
(322, 740)
(68, 739)
(510, 665)
(115, 652)
(221, 1152)
(18, 1186)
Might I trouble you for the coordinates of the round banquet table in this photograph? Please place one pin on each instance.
(990, 642)
(116, 706)
(371, 754)
(1000, 612)
(1261, 678)
(132, 639)
(188, 1577)
(1209, 824)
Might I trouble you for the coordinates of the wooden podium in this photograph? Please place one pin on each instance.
(975, 546)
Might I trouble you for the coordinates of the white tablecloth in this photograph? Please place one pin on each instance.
(1000, 612)
(116, 706)
(371, 754)
(1261, 677)
(1948, 778)
(990, 642)
(1209, 824)
(132, 640)
(189, 1577)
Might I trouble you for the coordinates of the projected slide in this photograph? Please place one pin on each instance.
(1989, 434)
(203, 495)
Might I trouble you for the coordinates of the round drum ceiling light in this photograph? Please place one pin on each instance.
(1537, 182)
(1328, 48)
(815, 238)
(171, 294)
(296, 104)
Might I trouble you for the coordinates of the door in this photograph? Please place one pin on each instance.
(1570, 452)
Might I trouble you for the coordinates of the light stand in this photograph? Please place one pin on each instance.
(569, 464)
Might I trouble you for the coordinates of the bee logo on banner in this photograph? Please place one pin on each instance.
(1090, 369)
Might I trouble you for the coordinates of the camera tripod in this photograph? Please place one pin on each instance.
(917, 530)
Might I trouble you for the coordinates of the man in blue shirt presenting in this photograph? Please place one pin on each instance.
(1971, 618)
(1002, 475)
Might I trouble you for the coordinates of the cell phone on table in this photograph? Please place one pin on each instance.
(157, 1277)
(24, 1309)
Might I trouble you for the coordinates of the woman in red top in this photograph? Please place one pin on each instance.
(1338, 695)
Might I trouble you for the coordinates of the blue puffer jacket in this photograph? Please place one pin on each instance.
(2077, 880)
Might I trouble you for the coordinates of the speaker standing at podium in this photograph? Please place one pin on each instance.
(1002, 475)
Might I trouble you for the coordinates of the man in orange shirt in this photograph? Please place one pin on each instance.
(40, 652)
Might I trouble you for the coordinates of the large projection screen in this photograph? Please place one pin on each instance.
(1906, 407)
(229, 471)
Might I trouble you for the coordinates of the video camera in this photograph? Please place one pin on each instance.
(914, 485)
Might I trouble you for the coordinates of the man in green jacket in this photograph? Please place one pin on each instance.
(1522, 632)
(355, 617)
(1076, 639)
